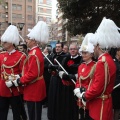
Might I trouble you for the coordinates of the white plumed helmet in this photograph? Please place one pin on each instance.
(39, 33)
(107, 35)
(86, 46)
(11, 35)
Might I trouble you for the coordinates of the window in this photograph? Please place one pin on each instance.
(40, 18)
(3, 25)
(48, 11)
(48, 20)
(19, 7)
(29, 8)
(3, 15)
(19, 16)
(14, 16)
(48, 2)
(14, 6)
(2, 31)
(30, 26)
(29, 0)
(40, 9)
(29, 17)
(2, 6)
(40, 1)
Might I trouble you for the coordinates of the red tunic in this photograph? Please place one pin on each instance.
(10, 64)
(84, 71)
(35, 89)
(101, 109)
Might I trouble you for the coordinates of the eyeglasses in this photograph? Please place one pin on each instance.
(73, 48)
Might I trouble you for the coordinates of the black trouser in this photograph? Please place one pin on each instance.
(34, 110)
(16, 105)
(84, 114)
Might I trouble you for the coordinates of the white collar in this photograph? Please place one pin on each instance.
(74, 57)
(88, 62)
(11, 51)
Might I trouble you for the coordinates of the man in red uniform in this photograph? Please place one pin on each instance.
(99, 93)
(11, 62)
(32, 76)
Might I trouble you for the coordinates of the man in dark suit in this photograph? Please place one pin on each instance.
(47, 51)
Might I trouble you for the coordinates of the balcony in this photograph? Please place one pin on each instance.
(6, 18)
(6, 7)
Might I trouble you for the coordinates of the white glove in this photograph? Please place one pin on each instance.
(9, 84)
(84, 102)
(15, 83)
(77, 93)
(61, 74)
(17, 76)
(13, 77)
(10, 78)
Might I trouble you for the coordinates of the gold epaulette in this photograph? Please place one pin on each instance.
(103, 59)
(3, 52)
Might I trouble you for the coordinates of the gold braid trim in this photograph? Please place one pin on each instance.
(5, 74)
(89, 75)
(5, 66)
(101, 112)
(27, 59)
(24, 65)
(93, 70)
(106, 83)
(38, 64)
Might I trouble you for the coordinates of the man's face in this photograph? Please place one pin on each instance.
(73, 50)
(29, 43)
(20, 48)
(65, 49)
(6, 45)
(118, 53)
(58, 48)
(96, 51)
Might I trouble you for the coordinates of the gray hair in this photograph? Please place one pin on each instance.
(74, 44)
(49, 49)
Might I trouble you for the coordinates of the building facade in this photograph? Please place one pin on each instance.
(63, 34)
(54, 31)
(44, 11)
(17, 12)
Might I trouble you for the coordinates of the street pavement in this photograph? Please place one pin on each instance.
(44, 114)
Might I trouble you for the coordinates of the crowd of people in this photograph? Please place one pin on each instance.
(73, 82)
